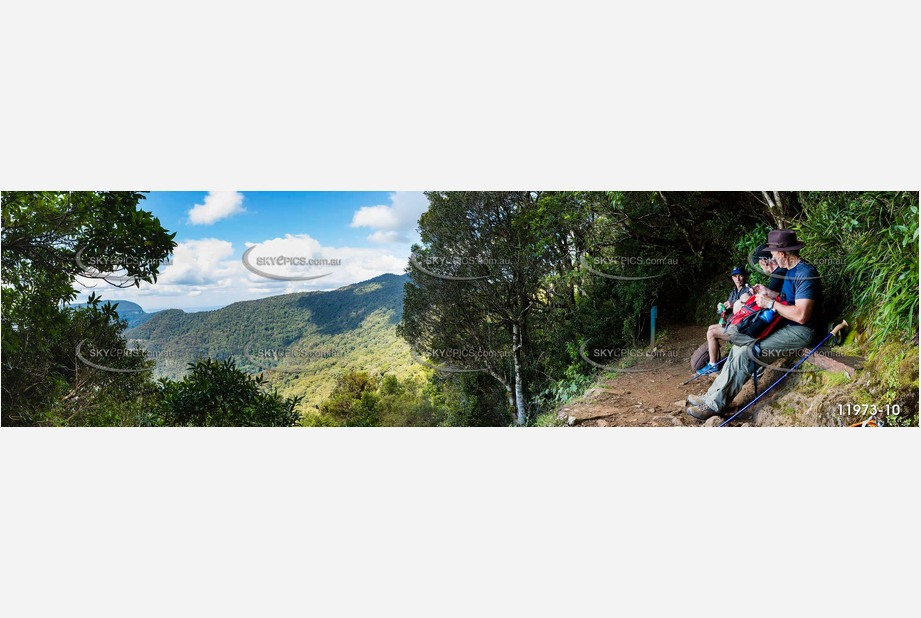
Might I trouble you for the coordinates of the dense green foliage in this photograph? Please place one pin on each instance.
(71, 365)
(217, 394)
(867, 247)
(480, 316)
(48, 239)
(363, 400)
(58, 387)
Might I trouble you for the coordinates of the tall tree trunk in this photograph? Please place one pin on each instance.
(519, 380)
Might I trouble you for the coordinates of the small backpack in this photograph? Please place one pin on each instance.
(749, 320)
(700, 357)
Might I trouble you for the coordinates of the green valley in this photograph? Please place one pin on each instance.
(300, 342)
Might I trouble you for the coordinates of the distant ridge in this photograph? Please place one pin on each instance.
(127, 310)
(300, 342)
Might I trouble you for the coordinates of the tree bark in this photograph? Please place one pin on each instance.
(776, 208)
(509, 391)
(519, 380)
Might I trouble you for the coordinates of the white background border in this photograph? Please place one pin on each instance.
(665, 95)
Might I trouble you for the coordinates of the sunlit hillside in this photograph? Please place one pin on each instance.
(300, 342)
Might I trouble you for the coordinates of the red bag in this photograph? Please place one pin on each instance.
(751, 320)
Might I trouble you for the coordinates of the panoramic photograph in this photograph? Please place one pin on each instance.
(460, 309)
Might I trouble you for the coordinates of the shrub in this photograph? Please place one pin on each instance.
(866, 247)
(217, 394)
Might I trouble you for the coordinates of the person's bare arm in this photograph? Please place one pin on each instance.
(760, 289)
(799, 312)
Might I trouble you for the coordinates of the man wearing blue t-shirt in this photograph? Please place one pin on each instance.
(802, 293)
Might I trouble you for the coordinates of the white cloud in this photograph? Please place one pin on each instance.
(385, 236)
(396, 222)
(344, 265)
(218, 205)
(208, 272)
(375, 216)
(199, 263)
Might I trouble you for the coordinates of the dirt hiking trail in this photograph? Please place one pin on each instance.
(650, 394)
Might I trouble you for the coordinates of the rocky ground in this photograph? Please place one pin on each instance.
(651, 394)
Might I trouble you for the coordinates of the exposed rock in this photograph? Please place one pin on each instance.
(591, 412)
(713, 421)
(602, 423)
(571, 421)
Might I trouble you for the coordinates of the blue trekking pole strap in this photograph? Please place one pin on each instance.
(780, 379)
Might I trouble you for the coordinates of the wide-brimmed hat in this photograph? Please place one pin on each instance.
(738, 270)
(783, 240)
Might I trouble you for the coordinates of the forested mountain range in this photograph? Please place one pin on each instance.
(301, 342)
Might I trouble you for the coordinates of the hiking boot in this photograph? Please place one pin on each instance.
(708, 369)
(701, 408)
(701, 413)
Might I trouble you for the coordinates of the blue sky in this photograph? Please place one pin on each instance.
(355, 235)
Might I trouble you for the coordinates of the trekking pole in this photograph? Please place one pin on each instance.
(704, 374)
(833, 332)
